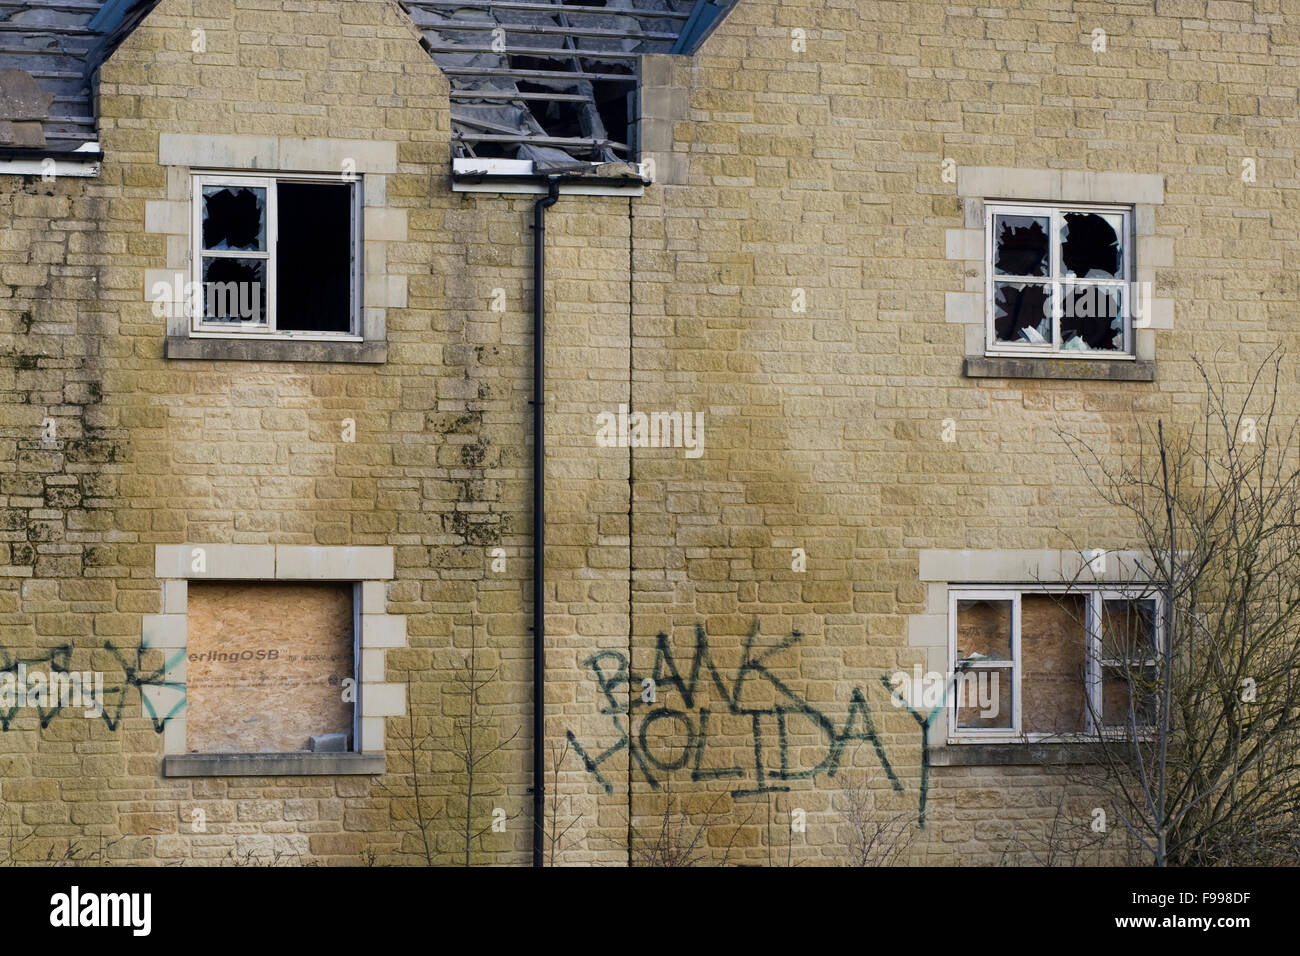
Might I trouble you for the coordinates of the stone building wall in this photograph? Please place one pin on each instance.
(801, 275)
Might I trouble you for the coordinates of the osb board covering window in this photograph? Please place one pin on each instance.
(1053, 646)
(266, 664)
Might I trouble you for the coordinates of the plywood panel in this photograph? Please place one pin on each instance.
(266, 664)
(1053, 646)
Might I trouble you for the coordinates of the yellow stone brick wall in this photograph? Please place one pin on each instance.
(816, 170)
(821, 170)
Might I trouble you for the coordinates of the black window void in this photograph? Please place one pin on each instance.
(234, 217)
(1022, 312)
(1022, 245)
(1090, 246)
(314, 258)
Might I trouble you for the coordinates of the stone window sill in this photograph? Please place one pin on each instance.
(1104, 370)
(1016, 755)
(274, 350)
(271, 765)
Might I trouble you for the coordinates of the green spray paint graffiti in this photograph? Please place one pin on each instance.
(925, 721)
(691, 723)
(160, 698)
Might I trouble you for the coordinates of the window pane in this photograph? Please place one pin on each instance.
(234, 290)
(1115, 692)
(1022, 313)
(983, 630)
(313, 291)
(1091, 246)
(1092, 317)
(1053, 655)
(983, 698)
(1128, 630)
(1020, 245)
(234, 217)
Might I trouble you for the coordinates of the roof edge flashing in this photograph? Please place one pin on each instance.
(479, 175)
(704, 19)
(83, 162)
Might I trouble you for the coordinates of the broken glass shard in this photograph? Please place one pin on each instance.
(1091, 246)
(234, 218)
(234, 290)
(1020, 245)
(1022, 312)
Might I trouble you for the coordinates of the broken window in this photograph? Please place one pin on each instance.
(269, 667)
(277, 256)
(1128, 662)
(983, 677)
(1058, 280)
(1038, 663)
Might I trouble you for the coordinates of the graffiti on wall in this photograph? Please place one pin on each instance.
(45, 684)
(778, 718)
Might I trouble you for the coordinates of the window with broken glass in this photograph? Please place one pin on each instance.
(1058, 280)
(1042, 663)
(276, 256)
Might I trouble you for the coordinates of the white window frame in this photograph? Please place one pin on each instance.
(1054, 212)
(199, 328)
(1095, 595)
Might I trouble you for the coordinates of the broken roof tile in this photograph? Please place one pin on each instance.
(60, 44)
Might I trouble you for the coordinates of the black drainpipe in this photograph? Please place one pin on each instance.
(539, 516)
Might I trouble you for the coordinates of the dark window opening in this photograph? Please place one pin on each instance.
(1090, 246)
(314, 249)
(613, 105)
(1022, 245)
(234, 218)
(1092, 313)
(234, 290)
(1022, 312)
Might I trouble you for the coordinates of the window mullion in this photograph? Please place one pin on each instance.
(1093, 668)
(1017, 669)
(1054, 271)
(272, 252)
(196, 255)
(1126, 263)
(357, 205)
(990, 337)
(952, 659)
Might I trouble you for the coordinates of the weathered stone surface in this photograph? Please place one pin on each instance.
(21, 98)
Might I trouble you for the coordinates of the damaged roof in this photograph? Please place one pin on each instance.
(550, 82)
(49, 52)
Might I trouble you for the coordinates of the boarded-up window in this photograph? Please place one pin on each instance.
(1053, 647)
(984, 682)
(1052, 663)
(1128, 662)
(266, 665)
